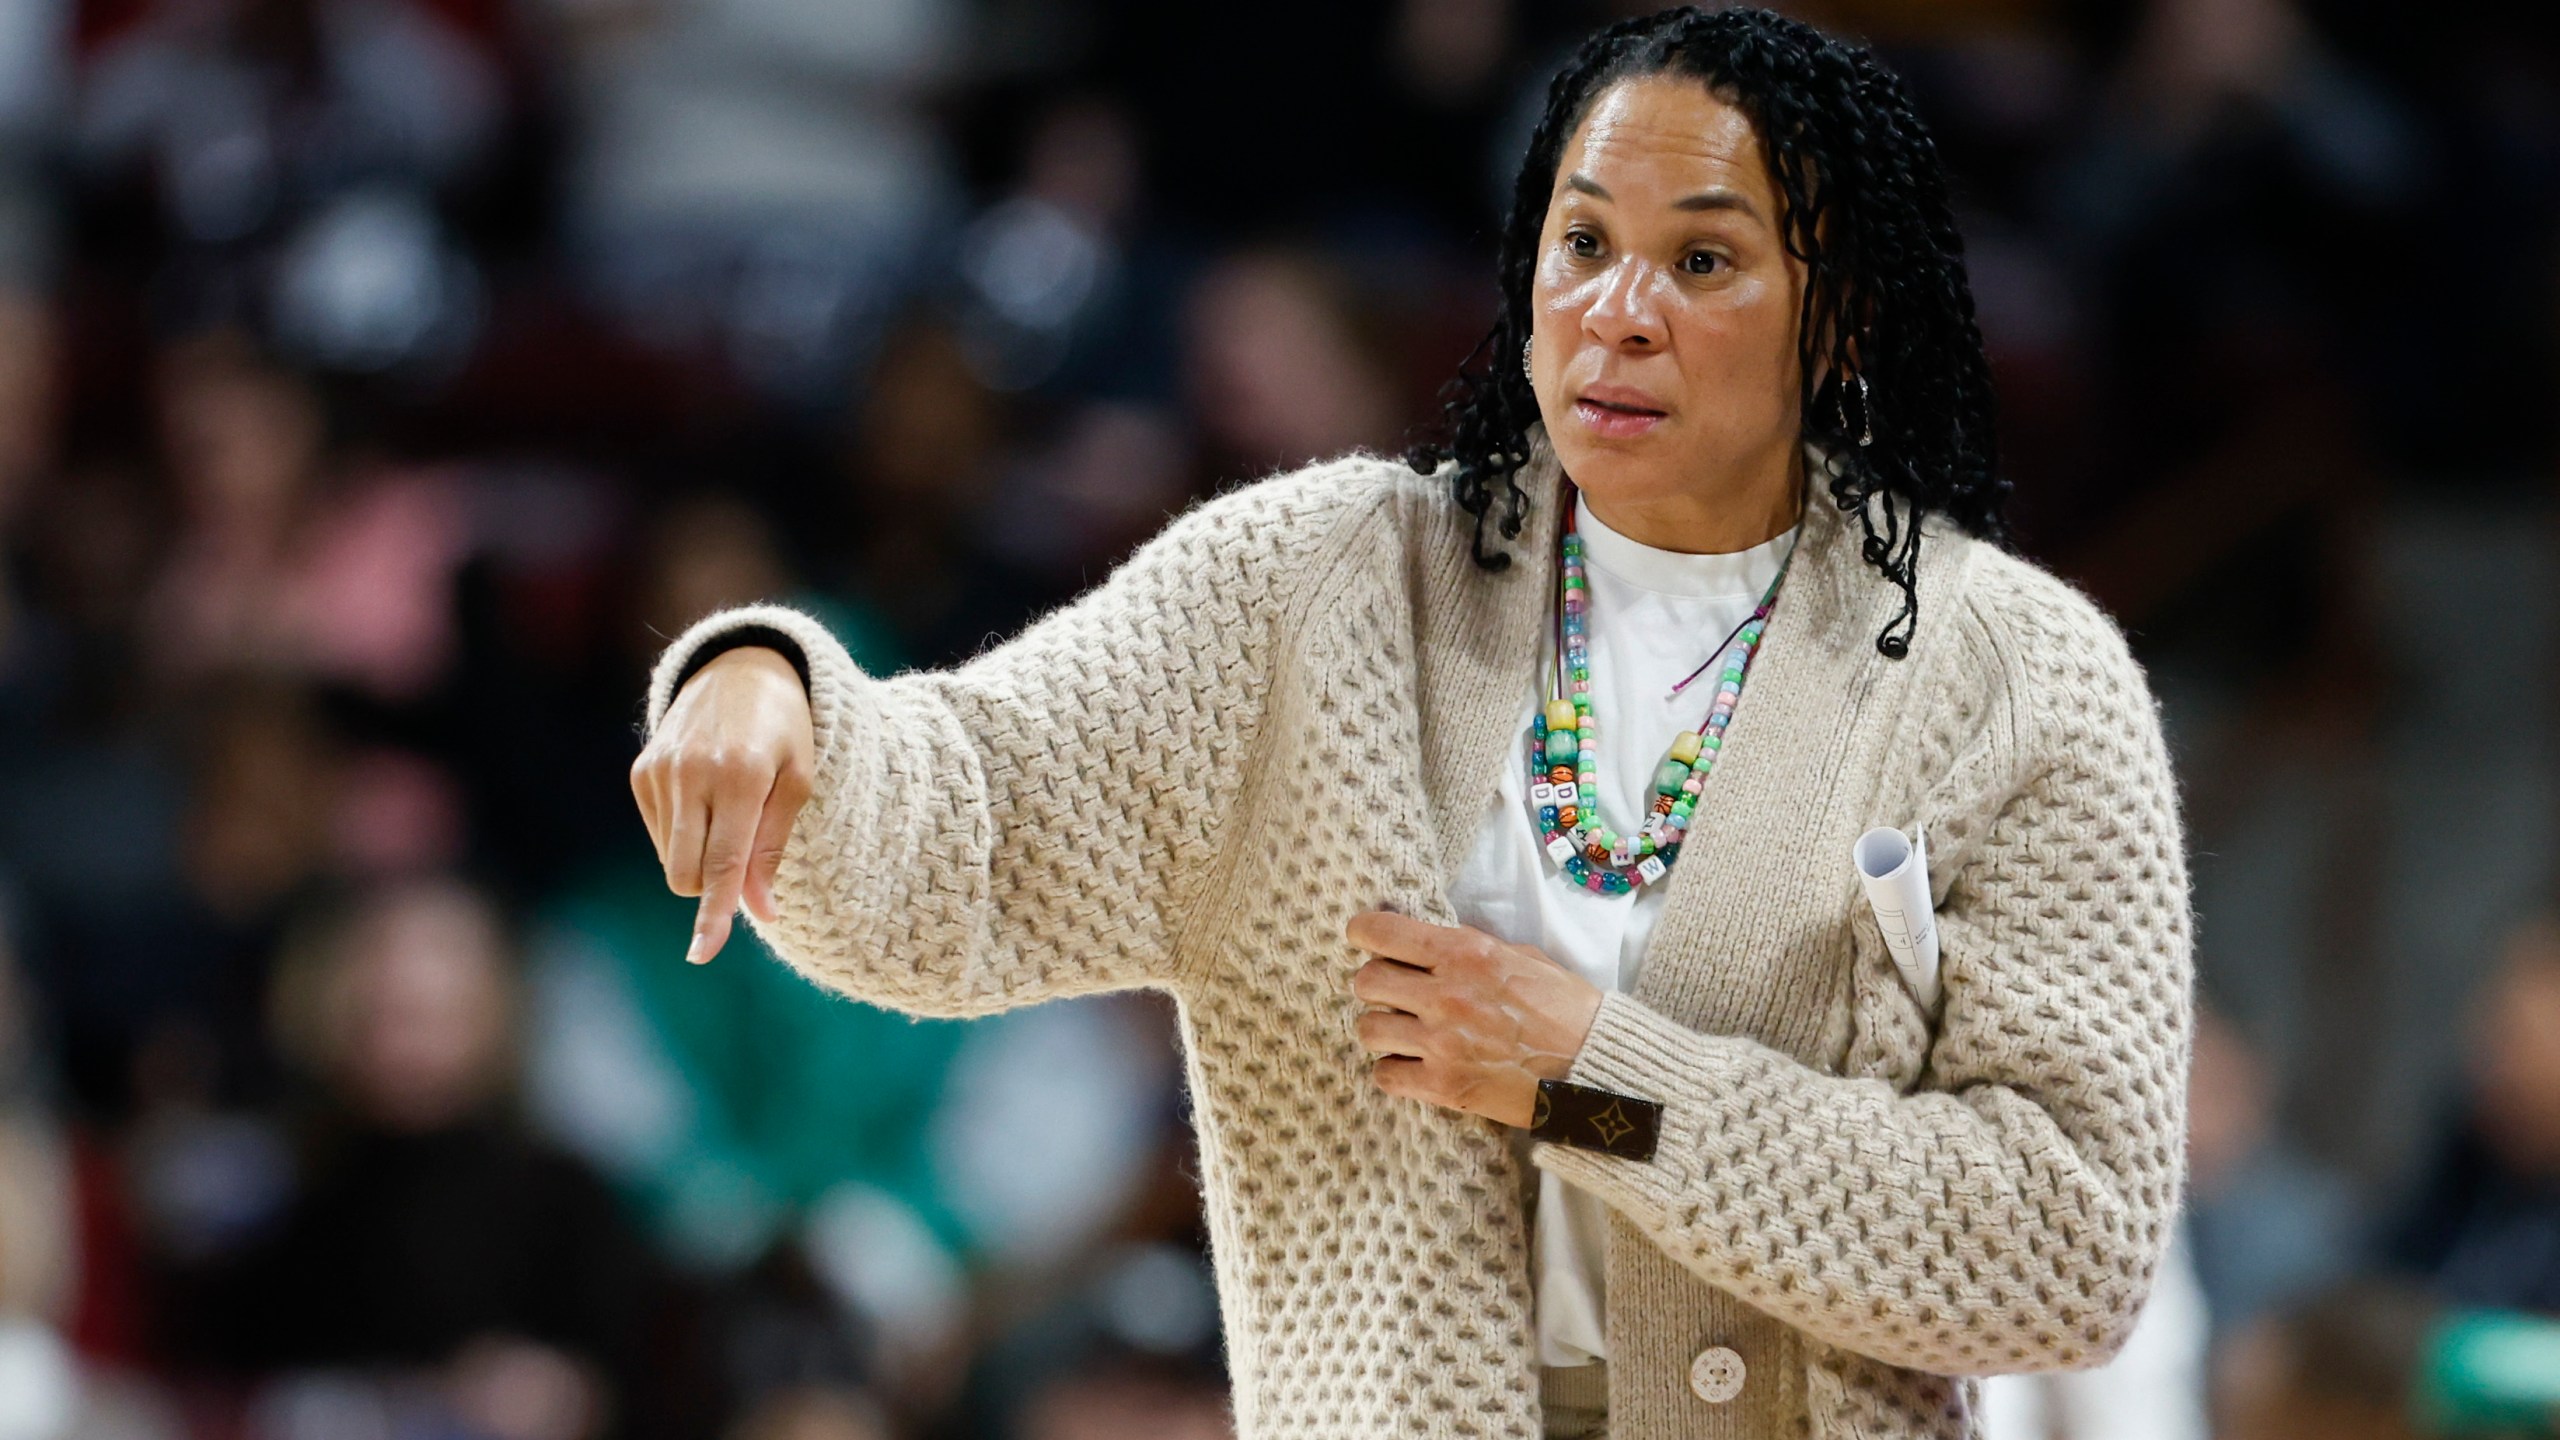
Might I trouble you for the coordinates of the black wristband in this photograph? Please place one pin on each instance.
(739, 639)
(1602, 1120)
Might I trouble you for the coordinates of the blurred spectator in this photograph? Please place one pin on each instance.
(2483, 1228)
(1284, 363)
(2229, 142)
(34, 58)
(920, 458)
(1449, 67)
(744, 1108)
(1287, 363)
(1129, 1348)
(1129, 1402)
(87, 547)
(1075, 505)
(425, 1231)
(2336, 1366)
(289, 157)
(2267, 1225)
(758, 178)
(38, 1382)
(812, 1412)
(29, 360)
(60, 1371)
(277, 567)
(1061, 282)
(712, 551)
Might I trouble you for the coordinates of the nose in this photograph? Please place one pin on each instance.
(1624, 315)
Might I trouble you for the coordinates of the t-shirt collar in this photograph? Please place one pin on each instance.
(1675, 572)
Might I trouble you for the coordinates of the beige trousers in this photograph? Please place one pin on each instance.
(1576, 1402)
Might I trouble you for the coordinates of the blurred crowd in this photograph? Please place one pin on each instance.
(383, 381)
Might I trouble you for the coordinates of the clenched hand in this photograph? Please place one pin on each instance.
(720, 783)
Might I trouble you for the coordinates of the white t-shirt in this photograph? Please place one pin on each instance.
(1654, 616)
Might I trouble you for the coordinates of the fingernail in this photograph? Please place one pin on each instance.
(693, 953)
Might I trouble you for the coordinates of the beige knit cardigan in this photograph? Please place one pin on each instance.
(1290, 707)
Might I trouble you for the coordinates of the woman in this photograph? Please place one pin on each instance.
(1315, 760)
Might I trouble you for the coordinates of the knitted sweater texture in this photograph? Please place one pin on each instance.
(1291, 705)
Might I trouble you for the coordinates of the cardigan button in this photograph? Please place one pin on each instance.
(1716, 1375)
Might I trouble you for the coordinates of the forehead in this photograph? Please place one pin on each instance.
(1668, 132)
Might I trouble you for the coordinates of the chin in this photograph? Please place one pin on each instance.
(1619, 471)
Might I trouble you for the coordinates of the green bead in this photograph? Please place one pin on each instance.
(1561, 746)
(1667, 777)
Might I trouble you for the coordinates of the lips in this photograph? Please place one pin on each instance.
(1617, 412)
(1625, 399)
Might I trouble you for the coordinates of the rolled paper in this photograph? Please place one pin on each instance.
(1895, 870)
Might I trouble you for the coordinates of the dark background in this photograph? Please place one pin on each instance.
(383, 381)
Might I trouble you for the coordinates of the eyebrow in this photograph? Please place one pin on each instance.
(1703, 200)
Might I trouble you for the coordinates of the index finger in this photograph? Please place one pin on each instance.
(725, 856)
(1401, 937)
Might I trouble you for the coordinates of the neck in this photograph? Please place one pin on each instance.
(1745, 508)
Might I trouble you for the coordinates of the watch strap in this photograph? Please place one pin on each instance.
(1592, 1119)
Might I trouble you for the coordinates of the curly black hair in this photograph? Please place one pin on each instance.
(1866, 210)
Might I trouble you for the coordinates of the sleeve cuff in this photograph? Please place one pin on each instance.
(819, 658)
(739, 639)
(1637, 1052)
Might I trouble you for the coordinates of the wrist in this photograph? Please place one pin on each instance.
(759, 659)
(1574, 1029)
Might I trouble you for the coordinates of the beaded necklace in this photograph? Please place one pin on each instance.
(1564, 755)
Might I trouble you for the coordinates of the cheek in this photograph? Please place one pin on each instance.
(1559, 297)
(1738, 347)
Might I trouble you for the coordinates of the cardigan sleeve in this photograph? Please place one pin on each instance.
(1031, 824)
(2008, 1213)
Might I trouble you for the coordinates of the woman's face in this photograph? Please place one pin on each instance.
(1665, 307)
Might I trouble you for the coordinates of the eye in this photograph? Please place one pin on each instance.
(1702, 262)
(1582, 243)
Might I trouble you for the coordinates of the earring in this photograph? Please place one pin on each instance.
(1866, 413)
(1525, 367)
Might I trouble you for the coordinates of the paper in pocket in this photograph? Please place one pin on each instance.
(1894, 868)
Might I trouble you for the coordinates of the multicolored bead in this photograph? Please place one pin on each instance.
(1564, 751)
